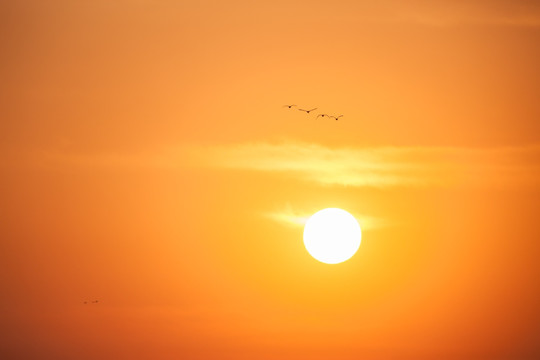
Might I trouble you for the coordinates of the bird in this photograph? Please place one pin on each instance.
(307, 111)
(322, 115)
(95, 301)
(86, 302)
(289, 106)
(336, 117)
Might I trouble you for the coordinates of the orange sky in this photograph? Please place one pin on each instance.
(147, 162)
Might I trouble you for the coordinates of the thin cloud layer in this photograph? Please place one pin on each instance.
(381, 166)
(295, 218)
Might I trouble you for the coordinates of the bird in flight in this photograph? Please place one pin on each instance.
(307, 111)
(322, 115)
(336, 117)
(289, 106)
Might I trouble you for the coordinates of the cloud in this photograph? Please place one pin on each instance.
(294, 218)
(379, 166)
(289, 217)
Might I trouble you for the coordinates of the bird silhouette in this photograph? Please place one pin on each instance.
(307, 111)
(322, 115)
(288, 106)
(86, 302)
(336, 117)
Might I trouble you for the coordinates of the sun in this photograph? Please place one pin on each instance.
(332, 235)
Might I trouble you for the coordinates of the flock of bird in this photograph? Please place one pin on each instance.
(307, 111)
(91, 302)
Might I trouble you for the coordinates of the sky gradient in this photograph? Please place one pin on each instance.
(146, 161)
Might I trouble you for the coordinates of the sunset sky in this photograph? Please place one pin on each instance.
(147, 162)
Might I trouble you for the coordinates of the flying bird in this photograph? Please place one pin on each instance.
(289, 106)
(336, 117)
(307, 111)
(322, 115)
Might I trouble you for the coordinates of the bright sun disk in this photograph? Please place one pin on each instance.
(332, 235)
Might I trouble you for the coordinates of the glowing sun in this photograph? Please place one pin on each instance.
(332, 235)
